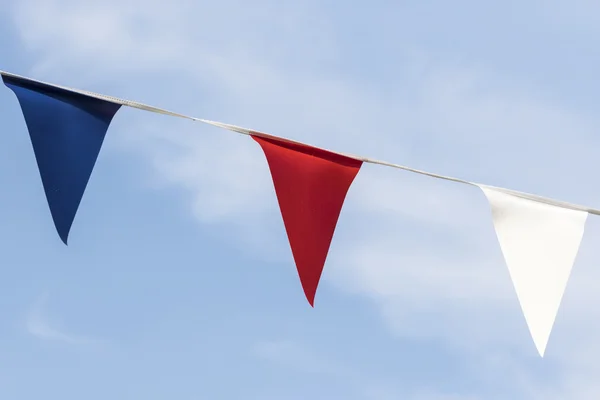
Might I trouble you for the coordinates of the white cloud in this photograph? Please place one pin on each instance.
(39, 325)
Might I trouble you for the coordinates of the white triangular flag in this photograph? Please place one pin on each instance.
(539, 242)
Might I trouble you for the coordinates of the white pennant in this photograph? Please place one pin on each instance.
(539, 242)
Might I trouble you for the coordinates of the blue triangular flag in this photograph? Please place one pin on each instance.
(67, 130)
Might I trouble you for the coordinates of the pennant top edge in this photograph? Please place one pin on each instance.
(309, 150)
(110, 99)
(267, 136)
(544, 200)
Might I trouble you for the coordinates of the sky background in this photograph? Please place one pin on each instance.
(178, 282)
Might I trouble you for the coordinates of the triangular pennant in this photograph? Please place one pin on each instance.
(67, 130)
(311, 186)
(540, 243)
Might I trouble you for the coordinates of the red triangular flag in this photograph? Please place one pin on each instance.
(311, 185)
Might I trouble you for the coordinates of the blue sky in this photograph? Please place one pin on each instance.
(178, 281)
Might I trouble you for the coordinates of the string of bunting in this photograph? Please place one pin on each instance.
(539, 236)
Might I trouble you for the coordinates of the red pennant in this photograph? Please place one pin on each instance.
(311, 185)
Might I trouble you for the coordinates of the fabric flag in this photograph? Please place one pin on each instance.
(67, 130)
(540, 243)
(311, 186)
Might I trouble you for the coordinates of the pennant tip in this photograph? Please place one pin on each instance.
(541, 350)
(311, 299)
(540, 345)
(64, 237)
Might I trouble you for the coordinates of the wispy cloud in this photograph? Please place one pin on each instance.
(291, 354)
(38, 324)
(298, 357)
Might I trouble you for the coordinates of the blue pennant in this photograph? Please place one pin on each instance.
(67, 130)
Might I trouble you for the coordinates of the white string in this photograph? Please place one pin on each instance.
(246, 131)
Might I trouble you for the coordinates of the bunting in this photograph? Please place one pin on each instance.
(311, 185)
(67, 130)
(539, 237)
(539, 242)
